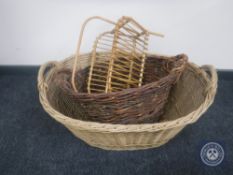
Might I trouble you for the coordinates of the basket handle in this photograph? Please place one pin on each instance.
(77, 55)
(213, 77)
(44, 70)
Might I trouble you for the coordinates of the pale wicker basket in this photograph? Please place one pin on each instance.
(189, 99)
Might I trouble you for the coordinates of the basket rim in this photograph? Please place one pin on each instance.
(150, 127)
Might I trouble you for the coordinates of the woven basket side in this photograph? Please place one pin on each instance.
(126, 141)
(178, 95)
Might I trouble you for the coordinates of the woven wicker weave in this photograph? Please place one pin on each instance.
(190, 98)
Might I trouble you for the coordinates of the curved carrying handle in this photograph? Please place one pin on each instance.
(77, 55)
(213, 77)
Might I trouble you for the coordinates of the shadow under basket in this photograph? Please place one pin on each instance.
(144, 104)
(189, 99)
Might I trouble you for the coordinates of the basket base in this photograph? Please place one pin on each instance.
(128, 147)
(123, 142)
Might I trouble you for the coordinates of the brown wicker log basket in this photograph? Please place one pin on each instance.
(132, 118)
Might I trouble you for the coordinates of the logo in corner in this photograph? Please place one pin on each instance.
(212, 154)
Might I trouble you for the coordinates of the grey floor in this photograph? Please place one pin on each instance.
(32, 143)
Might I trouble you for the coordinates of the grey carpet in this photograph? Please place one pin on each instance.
(33, 143)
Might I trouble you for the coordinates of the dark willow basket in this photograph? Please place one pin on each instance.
(130, 106)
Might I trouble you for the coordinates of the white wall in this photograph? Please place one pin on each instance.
(36, 31)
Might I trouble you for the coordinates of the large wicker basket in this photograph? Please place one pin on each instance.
(189, 99)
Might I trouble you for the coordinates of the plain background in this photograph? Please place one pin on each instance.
(35, 31)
